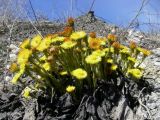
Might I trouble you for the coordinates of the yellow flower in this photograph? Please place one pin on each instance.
(135, 73)
(26, 92)
(111, 37)
(116, 45)
(123, 47)
(13, 67)
(23, 56)
(125, 51)
(92, 35)
(144, 51)
(113, 67)
(58, 39)
(70, 88)
(109, 60)
(63, 73)
(93, 59)
(44, 44)
(132, 45)
(100, 53)
(94, 43)
(36, 41)
(18, 75)
(25, 43)
(78, 35)
(47, 66)
(131, 59)
(68, 44)
(79, 73)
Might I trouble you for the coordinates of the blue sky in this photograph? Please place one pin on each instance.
(118, 12)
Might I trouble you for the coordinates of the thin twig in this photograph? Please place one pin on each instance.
(34, 12)
(138, 13)
(92, 5)
(140, 102)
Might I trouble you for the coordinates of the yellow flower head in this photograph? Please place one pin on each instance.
(18, 75)
(79, 73)
(113, 67)
(67, 31)
(70, 88)
(44, 44)
(68, 44)
(36, 41)
(123, 47)
(13, 68)
(116, 45)
(26, 92)
(70, 22)
(25, 43)
(23, 56)
(144, 51)
(131, 59)
(111, 37)
(92, 34)
(135, 73)
(58, 39)
(94, 43)
(132, 45)
(100, 53)
(93, 59)
(125, 51)
(78, 35)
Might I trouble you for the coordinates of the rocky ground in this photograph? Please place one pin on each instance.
(12, 107)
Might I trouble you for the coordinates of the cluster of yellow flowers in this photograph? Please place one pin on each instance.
(68, 60)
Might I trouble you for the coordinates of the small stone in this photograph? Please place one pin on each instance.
(12, 46)
(157, 63)
(12, 57)
(8, 78)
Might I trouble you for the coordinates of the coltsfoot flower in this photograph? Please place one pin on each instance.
(18, 75)
(79, 73)
(36, 41)
(44, 44)
(131, 59)
(68, 44)
(125, 51)
(58, 39)
(111, 37)
(25, 43)
(135, 73)
(70, 89)
(144, 51)
(100, 53)
(78, 35)
(23, 56)
(132, 45)
(13, 68)
(93, 59)
(92, 34)
(94, 43)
